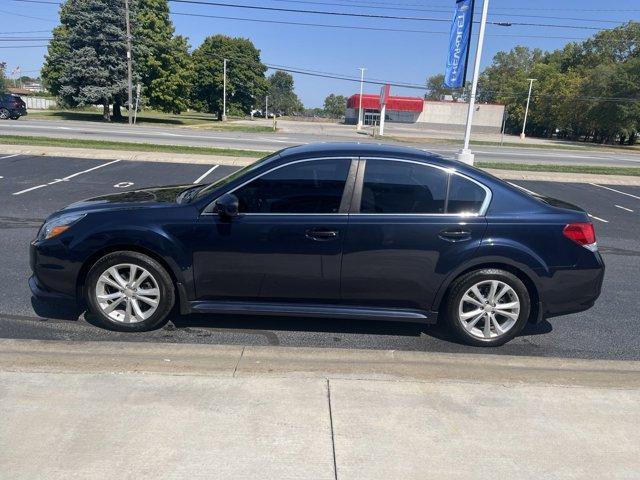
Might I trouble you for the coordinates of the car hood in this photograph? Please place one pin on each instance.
(146, 197)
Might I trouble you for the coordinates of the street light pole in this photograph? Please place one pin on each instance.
(224, 90)
(266, 106)
(129, 73)
(526, 110)
(359, 126)
(465, 154)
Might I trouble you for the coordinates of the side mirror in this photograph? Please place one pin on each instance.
(227, 205)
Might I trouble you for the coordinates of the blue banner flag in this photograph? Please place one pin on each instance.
(459, 40)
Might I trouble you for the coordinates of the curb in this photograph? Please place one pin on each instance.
(300, 362)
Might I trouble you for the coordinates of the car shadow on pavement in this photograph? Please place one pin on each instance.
(267, 323)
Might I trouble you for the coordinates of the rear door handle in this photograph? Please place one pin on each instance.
(321, 234)
(455, 234)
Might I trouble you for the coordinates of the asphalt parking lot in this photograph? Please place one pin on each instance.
(32, 187)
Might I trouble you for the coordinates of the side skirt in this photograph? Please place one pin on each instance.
(312, 310)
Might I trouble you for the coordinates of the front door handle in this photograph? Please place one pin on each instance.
(321, 234)
(455, 234)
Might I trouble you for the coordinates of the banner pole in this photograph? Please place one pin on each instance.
(465, 154)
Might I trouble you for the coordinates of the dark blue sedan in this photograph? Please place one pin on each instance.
(347, 231)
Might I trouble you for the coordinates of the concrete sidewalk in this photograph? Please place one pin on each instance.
(126, 410)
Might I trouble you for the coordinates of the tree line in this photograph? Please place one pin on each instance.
(86, 63)
(587, 91)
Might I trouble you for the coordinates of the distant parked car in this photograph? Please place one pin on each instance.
(346, 231)
(11, 106)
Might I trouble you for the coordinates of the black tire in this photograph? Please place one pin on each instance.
(15, 117)
(4, 113)
(159, 274)
(458, 289)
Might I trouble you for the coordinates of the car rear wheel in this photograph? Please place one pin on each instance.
(15, 117)
(487, 307)
(4, 114)
(129, 291)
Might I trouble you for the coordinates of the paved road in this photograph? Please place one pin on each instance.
(609, 330)
(275, 141)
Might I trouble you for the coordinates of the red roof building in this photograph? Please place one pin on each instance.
(372, 102)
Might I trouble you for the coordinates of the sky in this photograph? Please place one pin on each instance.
(396, 56)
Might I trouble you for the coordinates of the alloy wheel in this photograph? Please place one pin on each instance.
(489, 309)
(4, 113)
(127, 293)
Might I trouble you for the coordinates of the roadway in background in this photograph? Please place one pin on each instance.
(275, 141)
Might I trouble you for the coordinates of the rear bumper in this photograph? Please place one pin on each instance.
(572, 290)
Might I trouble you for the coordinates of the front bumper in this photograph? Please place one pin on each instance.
(54, 275)
(41, 293)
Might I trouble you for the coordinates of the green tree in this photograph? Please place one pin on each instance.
(163, 61)
(246, 83)
(335, 105)
(57, 54)
(93, 35)
(3, 65)
(282, 98)
(437, 91)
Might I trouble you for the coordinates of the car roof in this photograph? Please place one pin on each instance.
(352, 149)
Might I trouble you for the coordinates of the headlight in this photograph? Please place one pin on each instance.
(53, 228)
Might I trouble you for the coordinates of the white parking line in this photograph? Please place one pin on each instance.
(10, 156)
(598, 218)
(203, 176)
(617, 191)
(69, 177)
(623, 208)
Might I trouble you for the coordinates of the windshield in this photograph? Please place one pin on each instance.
(237, 174)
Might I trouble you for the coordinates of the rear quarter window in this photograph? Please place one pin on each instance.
(465, 196)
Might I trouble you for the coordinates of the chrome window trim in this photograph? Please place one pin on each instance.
(342, 157)
(480, 213)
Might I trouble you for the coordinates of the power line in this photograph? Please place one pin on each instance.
(353, 27)
(369, 15)
(441, 10)
(27, 16)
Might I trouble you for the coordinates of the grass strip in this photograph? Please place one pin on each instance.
(597, 170)
(125, 146)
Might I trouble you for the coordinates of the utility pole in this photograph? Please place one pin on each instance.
(465, 154)
(266, 106)
(224, 90)
(129, 73)
(526, 110)
(359, 126)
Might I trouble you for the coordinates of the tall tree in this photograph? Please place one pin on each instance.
(335, 105)
(163, 61)
(93, 35)
(282, 98)
(246, 83)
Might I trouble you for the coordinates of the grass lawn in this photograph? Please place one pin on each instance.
(553, 146)
(629, 171)
(150, 117)
(127, 146)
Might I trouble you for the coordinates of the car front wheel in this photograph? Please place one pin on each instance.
(129, 291)
(4, 114)
(487, 307)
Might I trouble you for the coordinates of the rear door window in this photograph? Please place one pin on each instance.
(392, 186)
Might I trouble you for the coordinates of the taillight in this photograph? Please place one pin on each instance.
(582, 233)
